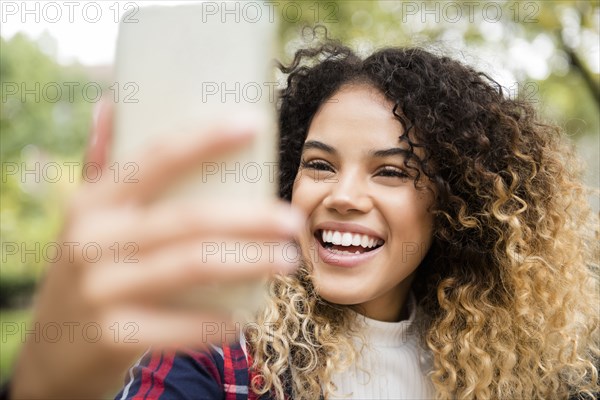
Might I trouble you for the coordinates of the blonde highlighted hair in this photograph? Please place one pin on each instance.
(510, 286)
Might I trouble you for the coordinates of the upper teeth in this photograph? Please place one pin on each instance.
(350, 239)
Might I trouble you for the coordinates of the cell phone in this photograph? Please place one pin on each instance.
(184, 69)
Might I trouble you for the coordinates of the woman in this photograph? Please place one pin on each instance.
(418, 175)
(446, 230)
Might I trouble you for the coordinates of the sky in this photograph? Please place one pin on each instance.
(84, 31)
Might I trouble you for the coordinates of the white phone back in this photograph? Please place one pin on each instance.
(188, 71)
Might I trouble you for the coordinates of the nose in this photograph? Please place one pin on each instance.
(348, 194)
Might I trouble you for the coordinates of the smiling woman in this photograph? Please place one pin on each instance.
(477, 270)
(448, 250)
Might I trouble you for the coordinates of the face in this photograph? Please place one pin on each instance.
(368, 226)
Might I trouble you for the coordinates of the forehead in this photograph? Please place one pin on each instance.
(357, 117)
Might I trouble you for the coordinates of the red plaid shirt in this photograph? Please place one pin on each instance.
(219, 373)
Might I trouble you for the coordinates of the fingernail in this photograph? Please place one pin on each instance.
(293, 220)
(287, 267)
(287, 260)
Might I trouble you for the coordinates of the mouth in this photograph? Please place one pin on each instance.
(347, 243)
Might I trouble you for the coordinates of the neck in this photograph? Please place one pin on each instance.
(389, 307)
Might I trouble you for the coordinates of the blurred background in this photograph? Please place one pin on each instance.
(56, 60)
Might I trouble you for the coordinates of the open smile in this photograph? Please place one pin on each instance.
(346, 249)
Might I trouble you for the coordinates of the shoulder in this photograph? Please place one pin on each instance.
(183, 373)
(216, 372)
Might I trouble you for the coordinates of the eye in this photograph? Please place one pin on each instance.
(316, 165)
(392, 172)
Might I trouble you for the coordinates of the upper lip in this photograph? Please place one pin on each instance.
(347, 227)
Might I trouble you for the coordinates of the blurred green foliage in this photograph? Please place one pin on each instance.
(35, 129)
(59, 127)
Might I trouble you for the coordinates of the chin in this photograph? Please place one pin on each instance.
(344, 299)
(337, 291)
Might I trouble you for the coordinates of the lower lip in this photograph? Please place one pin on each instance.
(344, 260)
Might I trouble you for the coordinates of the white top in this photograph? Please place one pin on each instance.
(396, 363)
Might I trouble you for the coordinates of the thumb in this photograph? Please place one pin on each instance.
(101, 133)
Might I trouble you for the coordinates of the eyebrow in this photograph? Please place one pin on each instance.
(314, 144)
(394, 151)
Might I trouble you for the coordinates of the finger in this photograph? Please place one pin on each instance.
(168, 222)
(165, 161)
(186, 267)
(137, 327)
(101, 134)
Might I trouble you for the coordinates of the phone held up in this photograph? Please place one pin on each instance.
(186, 73)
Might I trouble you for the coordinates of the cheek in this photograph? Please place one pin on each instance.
(306, 195)
(409, 219)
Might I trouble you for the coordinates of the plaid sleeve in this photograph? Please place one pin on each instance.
(186, 374)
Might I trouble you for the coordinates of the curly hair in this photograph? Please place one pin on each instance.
(510, 285)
